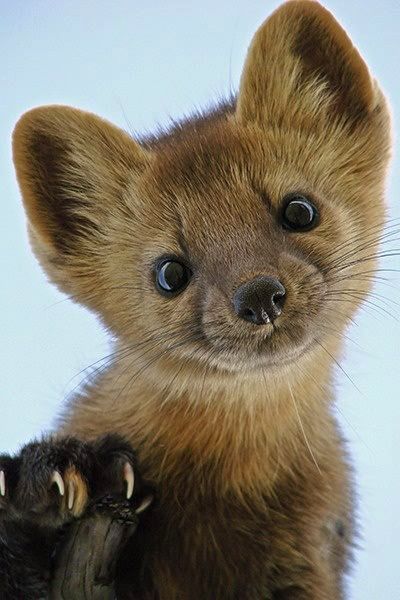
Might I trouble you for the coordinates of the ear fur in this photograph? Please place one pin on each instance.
(72, 168)
(302, 64)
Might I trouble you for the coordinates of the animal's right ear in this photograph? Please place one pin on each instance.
(72, 168)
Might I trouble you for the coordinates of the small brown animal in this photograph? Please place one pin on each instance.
(218, 254)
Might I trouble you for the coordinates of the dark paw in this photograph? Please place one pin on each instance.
(54, 481)
(95, 488)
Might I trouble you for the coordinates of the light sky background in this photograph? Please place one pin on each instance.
(136, 63)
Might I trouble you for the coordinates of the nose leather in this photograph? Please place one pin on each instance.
(260, 300)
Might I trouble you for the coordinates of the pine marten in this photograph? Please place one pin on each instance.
(218, 254)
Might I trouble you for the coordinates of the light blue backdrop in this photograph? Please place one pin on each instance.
(136, 63)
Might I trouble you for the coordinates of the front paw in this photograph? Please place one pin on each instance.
(54, 481)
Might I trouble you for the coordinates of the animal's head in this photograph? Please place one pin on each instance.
(239, 239)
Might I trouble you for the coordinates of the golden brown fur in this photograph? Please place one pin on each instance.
(231, 422)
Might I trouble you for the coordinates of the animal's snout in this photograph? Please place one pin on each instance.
(260, 300)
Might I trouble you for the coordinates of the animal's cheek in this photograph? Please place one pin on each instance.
(305, 291)
(217, 310)
(297, 274)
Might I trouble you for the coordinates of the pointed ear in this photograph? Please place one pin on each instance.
(72, 168)
(301, 64)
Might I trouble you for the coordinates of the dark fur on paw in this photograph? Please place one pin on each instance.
(54, 489)
(56, 480)
(47, 483)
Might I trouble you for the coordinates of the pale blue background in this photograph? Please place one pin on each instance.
(136, 63)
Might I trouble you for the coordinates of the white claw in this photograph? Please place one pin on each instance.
(129, 477)
(71, 494)
(58, 480)
(145, 504)
(2, 483)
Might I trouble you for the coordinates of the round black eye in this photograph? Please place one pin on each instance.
(299, 213)
(172, 276)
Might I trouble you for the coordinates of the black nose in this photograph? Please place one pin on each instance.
(260, 300)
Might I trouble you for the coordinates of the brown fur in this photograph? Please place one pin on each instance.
(232, 422)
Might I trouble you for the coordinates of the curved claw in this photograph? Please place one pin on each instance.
(2, 483)
(145, 504)
(129, 478)
(71, 494)
(58, 480)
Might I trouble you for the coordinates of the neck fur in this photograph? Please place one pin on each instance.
(234, 429)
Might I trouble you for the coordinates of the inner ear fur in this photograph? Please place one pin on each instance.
(72, 167)
(300, 64)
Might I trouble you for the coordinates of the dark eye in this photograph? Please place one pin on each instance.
(299, 213)
(172, 276)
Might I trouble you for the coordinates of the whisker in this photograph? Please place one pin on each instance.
(339, 365)
(153, 360)
(358, 243)
(302, 429)
(364, 302)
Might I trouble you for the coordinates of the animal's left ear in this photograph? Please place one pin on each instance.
(301, 64)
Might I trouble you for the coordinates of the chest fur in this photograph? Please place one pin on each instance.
(240, 547)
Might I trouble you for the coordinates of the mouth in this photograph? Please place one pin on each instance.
(258, 359)
(284, 359)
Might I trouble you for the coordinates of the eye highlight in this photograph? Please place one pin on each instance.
(172, 276)
(299, 213)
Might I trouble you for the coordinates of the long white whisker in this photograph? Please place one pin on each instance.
(303, 430)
